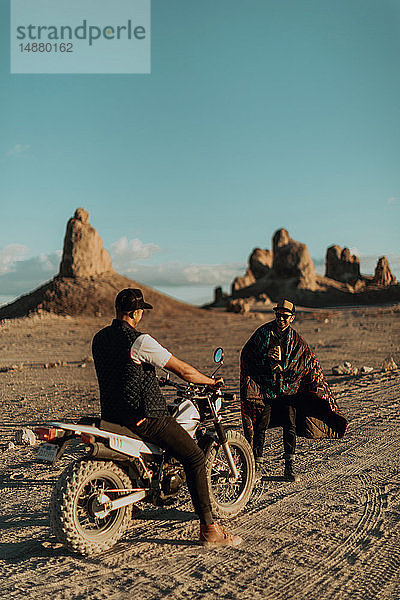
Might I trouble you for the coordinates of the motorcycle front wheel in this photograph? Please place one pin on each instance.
(229, 496)
(73, 506)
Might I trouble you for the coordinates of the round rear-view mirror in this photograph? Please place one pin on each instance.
(218, 355)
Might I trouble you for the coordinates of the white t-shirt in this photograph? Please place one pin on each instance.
(147, 349)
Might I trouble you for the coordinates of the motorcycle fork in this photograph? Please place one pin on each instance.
(219, 428)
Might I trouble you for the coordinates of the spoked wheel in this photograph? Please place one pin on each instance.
(77, 514)
(227, 495)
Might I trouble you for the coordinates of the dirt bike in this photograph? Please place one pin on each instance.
(91, 504)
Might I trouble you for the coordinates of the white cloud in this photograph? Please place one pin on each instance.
(393, 200)
(21, 276)
(9, 254)
(178, 274)
(124, 252)
(18, 150)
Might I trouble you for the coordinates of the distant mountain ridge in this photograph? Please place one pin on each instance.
(287, 271)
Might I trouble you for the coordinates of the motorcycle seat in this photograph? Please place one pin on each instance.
(116, 428)
(108, 426)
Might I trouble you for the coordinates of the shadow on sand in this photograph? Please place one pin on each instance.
(15, 552)
(45, 547)
(272, 478)
(165, 514)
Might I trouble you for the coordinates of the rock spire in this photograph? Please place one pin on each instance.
(341, 265)
(383, 274)
(83, 253)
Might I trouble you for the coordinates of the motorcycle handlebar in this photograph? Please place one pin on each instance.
(202, 388)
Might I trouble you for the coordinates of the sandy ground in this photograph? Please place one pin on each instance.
(333, 535)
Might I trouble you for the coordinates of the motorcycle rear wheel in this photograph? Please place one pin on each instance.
(72, 517)
(228, 497)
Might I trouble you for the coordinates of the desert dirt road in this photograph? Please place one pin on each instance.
(333, 535)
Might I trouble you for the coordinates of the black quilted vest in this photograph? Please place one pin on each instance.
(128, 391)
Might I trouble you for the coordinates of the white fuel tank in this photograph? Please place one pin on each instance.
(188, 416)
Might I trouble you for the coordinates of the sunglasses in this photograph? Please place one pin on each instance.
(282, 315)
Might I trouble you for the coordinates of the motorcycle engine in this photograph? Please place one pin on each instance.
(172, 479)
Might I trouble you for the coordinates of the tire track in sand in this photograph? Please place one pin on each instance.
(326, 575)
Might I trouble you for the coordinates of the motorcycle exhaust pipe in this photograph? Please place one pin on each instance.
(104, 505)
(99, 450)
(125, 500)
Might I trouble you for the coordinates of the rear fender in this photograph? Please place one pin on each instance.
(62, 445)
(120, 443)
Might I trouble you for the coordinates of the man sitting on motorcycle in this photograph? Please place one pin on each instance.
(130, 395)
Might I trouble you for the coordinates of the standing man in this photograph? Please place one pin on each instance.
(282, 384)
(130, 395)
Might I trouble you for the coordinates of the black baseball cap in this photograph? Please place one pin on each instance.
(286, 306)
(130, 299)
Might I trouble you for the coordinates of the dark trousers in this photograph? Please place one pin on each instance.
(169, 435)
(287, 412)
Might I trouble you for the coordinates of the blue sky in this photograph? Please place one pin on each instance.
(255, 116)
